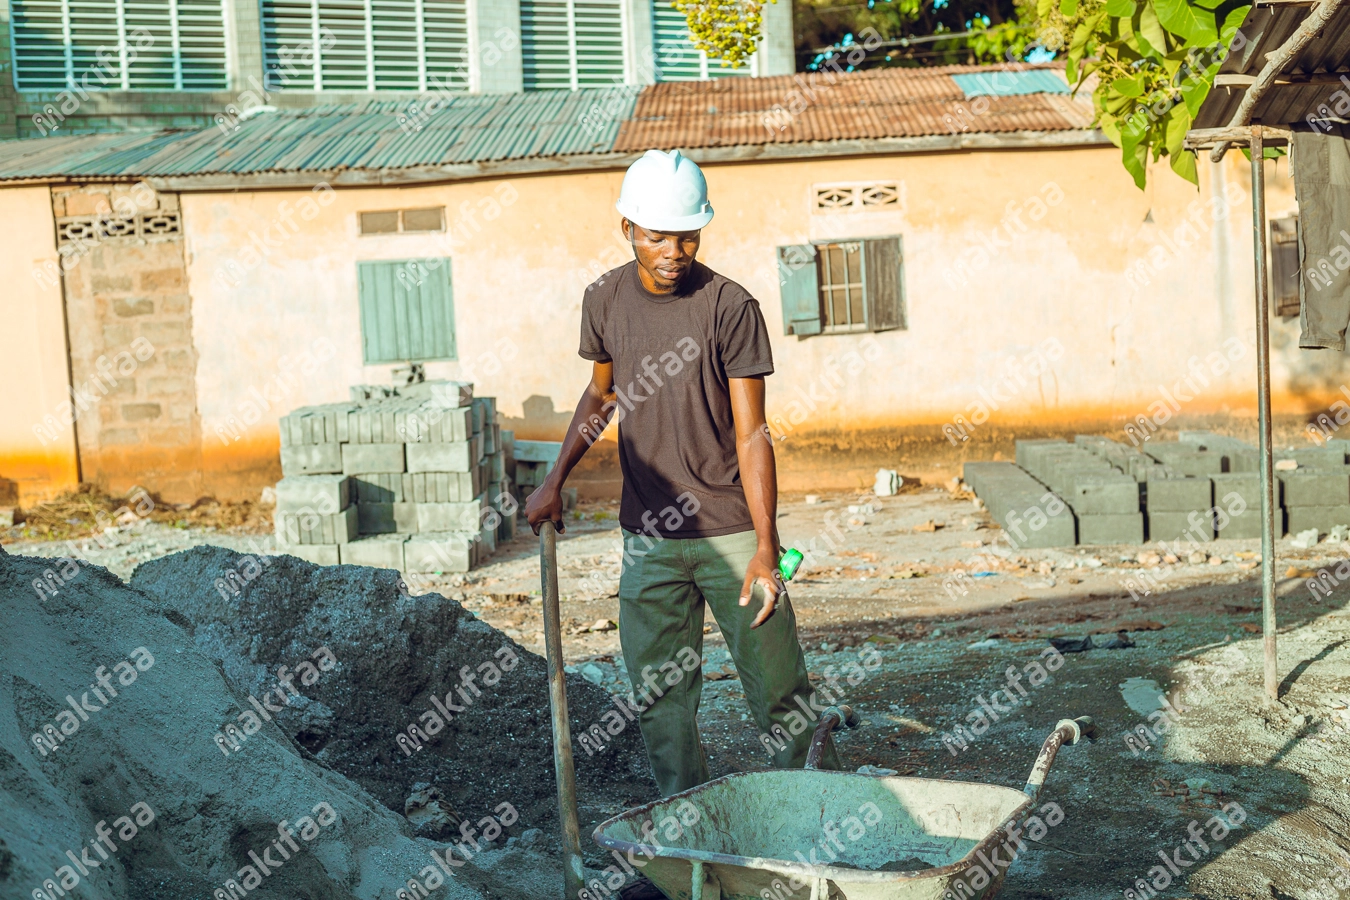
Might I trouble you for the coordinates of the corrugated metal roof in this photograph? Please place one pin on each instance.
(374, 136)
(471, 132)
(1011, 83)
(1266, 28)
(878, 103)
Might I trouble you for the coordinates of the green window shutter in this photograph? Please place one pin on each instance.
(407, 311)
(571, 44)
(1284, 274)
(884, 284)
(797, 284)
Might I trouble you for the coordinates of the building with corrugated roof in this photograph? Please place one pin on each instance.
(80, 66)
(937, 252)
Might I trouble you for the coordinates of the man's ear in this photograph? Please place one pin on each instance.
(626, 228)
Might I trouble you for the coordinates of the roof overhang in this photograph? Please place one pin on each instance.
(558, 165)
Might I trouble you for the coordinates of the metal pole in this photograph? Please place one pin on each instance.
(1268, 508)
(574, 880)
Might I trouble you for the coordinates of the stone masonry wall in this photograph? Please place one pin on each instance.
(132, 358)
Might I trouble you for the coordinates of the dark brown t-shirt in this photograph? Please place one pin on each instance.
(673, 355)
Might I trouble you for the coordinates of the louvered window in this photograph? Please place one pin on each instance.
(677, 59)
(571, 44)
(366, 45)
(842, 286)
(118, 44)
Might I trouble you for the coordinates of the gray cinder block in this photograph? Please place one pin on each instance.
(1104, 494)
(311, 459)
(320, 493)
(1111, 528)
(1179, 494)
(359, 459)
(1323, 518)
(319, 554)
(382, 551)
(457, 456)
(1247, 524)
(387, 518)
(1316, 487)
(1193, 526)
(315, 528)
(445, 552)
(434, 517)
(537, 451)
(1246, 485)
(1329, 457)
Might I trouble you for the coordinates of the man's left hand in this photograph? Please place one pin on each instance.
(763, 570)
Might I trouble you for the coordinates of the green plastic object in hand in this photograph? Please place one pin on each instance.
(788, 564)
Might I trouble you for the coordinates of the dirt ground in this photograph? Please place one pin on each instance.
(916, 577)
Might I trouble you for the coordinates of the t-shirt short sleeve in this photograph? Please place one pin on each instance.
(742, 337)
(593, 328)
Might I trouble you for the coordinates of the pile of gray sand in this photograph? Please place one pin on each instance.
(113, 787)
(407, 667)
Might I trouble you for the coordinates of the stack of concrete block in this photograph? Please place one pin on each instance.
(1014, 498)
(1247, 522)
(424, 471)
(1105, 500)
(533, 461)
(1315, 498)
(314, 516)
(1179, 507)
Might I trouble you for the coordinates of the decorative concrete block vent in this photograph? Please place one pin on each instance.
(410, 477)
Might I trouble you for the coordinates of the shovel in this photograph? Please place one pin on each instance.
(573, 877)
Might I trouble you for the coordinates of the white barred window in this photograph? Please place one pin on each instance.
(366, 45)
(127, 45)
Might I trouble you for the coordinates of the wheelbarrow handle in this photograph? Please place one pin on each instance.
(831, 719)
(1068, 731)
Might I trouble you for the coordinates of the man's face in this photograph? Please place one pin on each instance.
(663, 257)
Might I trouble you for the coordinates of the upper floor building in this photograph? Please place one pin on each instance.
(77, 66)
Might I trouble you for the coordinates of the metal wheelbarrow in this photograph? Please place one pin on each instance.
(811, 834)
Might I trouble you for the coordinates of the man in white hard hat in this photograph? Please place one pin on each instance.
(679, 354)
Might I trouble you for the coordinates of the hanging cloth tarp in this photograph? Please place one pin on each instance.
(1321, 167)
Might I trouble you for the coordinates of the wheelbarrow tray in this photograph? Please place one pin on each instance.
(759, 832)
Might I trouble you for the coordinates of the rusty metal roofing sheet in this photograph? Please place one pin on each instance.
(879, 103)
(381, 136)
(1265, 29)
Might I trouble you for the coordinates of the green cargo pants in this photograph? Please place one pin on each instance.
(662, 592)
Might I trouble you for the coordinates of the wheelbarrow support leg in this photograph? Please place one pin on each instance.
(574, 879)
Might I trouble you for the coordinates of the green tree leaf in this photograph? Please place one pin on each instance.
(1192, 24)
(1068, 8)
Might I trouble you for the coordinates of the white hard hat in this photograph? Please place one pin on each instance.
(665, 192)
